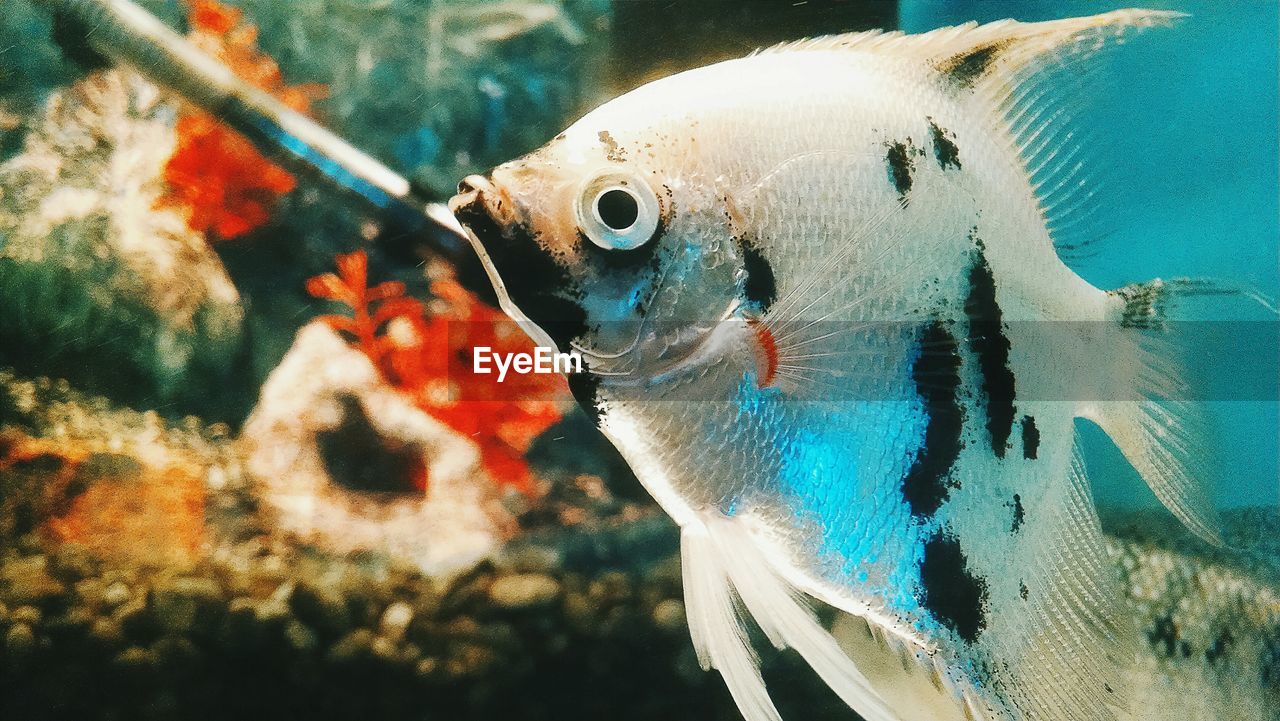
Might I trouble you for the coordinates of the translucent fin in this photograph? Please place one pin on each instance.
(1164, 441)
(1017, 43)
(1163, 438)
(1069, 661)
(1148, 305)
(1046, 100)
(716, 627)
(779, 610)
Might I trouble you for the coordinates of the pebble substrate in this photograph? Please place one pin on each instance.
(279, 631)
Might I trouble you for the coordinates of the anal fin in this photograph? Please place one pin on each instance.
(1069, 661)
(914, 681)
(722, 559)
(716, 628)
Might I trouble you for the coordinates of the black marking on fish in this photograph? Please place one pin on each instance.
(1145, 305)
(1030, 438)
(1019, 513)
(944, 148)
(537, 284)
(964, 69)
(585, 387)
(1022, 590)
(1220, 646)
(1165, 633)
(901, 166)
(954, 596)
(988, 341)
(936, 373)
(760, 286)
(647, 296)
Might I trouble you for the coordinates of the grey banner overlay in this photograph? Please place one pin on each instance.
(1049, 360)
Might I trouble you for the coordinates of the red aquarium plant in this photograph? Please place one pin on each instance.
(428, 357)
(228, 187)
(371, 308)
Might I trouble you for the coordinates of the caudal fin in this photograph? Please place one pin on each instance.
(1148, 416)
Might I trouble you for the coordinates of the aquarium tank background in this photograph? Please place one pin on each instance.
(236, 478)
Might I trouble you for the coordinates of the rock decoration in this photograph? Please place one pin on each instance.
(346, 460)
(425, 351)
(123, 486)
(85, 247)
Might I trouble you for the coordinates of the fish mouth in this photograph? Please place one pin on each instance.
(524, 276)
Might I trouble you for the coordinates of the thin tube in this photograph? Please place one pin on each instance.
(126, 33)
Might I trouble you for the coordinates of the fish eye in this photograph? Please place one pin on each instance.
(618, 211)
(617, 208)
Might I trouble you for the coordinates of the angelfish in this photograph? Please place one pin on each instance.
(809, 287)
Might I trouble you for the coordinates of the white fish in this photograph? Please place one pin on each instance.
(812, 287)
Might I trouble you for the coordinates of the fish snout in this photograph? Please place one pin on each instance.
(470, 189)
(481, 195)
(473, 184)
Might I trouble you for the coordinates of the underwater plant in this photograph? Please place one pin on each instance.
(350, 287)
(426, 356)
(227, 187)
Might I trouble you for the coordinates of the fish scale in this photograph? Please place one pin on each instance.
(846, 381)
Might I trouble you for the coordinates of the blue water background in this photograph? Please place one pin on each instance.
(1191, 115)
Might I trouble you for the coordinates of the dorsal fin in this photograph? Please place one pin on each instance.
(1030, 80)
(977, 53)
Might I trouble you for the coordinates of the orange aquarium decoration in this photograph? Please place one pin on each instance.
(226, 185)
(428, 357)
(112, 504)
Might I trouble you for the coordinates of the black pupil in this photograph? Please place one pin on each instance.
(618, 209)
